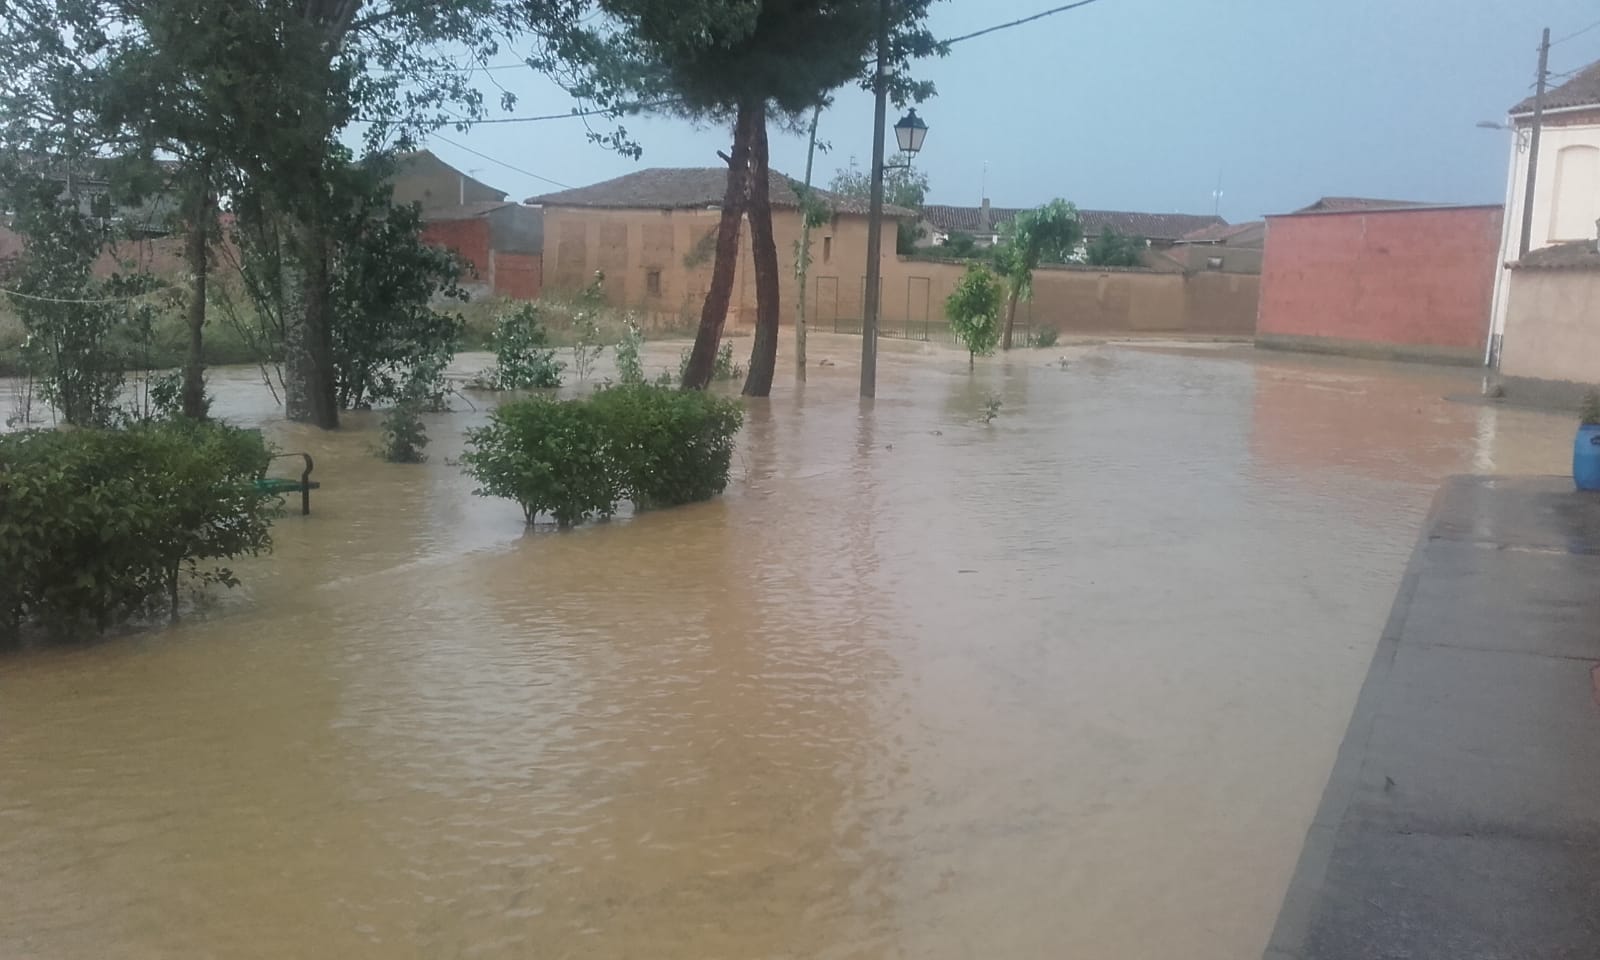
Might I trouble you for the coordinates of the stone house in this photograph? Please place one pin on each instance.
(652, 235)
(501, 240)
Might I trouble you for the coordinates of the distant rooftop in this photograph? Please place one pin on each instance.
(680, 188)
(1334, 205)
(1151, 226)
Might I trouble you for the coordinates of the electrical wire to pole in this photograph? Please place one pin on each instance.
(508, 166)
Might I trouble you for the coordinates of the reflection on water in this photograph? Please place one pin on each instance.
(1065, 685)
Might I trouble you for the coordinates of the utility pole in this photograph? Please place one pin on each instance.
(803, 260)
(869, 310)
(1533, 144)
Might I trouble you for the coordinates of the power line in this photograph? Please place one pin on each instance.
(1579, 33)
(572, 114)
(1017, 23)
(485, 156)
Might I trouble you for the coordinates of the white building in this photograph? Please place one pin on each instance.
(1566, 204)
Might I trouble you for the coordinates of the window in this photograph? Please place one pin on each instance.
(1576, 198)
(1213, 263)
(827, 249)
(652, 283)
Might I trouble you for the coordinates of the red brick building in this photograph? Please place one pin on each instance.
(1382, 278)
(503, 241)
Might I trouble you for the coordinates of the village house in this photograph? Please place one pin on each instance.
(651, 235)
(1227, 248)
(1391, 279)
(1545, 328)
(502, 241)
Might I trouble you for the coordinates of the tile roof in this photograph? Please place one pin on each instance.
(1151, 226)
(1219, 233)
(1357, 204)
(1575, 255)
(1581, 91)
(676, 188)
(466, 211)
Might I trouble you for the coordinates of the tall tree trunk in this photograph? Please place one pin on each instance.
(1011, 317)
(201, 211)
(702, 359)
(308, 338)
(769, 292)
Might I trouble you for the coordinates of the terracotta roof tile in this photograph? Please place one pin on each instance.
(1581, 91)
(1151, 226)
(676, 188)
(1357, 204)
(1219, 233)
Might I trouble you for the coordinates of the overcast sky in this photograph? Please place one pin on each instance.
(1143, 104)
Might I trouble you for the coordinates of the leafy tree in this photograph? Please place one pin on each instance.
(959, 245)
(1112, 249)
(737, 61)
(902, 186)
(973, 309)
(1049, 234)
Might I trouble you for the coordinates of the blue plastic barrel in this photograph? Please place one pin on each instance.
(1586, 457)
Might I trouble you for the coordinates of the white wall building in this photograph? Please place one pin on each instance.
(1566, 199)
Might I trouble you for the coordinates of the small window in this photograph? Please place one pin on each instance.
(652, 283)
(827, 249)
(1213, 263)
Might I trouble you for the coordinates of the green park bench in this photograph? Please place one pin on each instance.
(279, 486)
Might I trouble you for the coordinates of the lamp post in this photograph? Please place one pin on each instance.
(909, 134)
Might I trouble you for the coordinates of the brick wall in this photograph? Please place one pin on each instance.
(519, 276)
(468, 238)
(1403, 283)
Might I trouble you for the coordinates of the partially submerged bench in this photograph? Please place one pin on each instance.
(279, 486)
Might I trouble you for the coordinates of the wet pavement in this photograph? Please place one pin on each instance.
(1067, 684)
(1461, 820)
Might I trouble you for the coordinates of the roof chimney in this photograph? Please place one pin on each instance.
(983, 216)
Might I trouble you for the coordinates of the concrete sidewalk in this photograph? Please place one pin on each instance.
(1462, 818)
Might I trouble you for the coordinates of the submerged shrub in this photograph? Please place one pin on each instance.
(402, 435)
(575, 459)
(523, 356)
(547, 455)
(97, 526)
(668, 446)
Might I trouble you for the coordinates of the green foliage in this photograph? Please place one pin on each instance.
(103, 525)
(959, 246)
(547, 455)
(387, 339)
(1050, 234)
(973, 309)
(402, 435)
(630, 368)
(575, 459)
(1112, 249)
(586, 346)
(524, 359)
(991, 408)
(1046, 337)
(723, 368)
(668, 446)
(1589, 410)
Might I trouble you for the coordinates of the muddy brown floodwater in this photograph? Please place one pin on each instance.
(1066, 685)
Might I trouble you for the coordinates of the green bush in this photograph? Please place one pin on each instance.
(974, 311)
(1046, 337)
(103, 525)
(575, 459)
(1589, 409)
(524, 359)
(723, 367)
(630, 368)
(547, 455)
(401, 435)
(668, 447)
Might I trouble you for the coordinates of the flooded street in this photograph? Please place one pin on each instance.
(1064, 685)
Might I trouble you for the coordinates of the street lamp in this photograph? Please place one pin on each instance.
(909, 134)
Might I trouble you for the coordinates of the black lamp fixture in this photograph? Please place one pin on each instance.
(909, 134)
